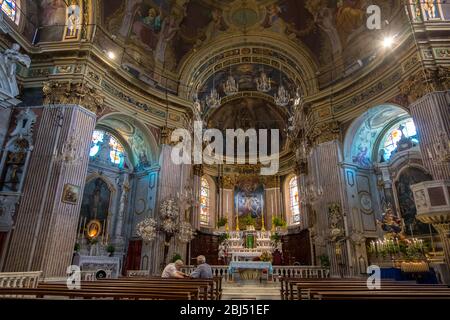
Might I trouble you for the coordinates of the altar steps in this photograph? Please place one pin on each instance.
(251, 290)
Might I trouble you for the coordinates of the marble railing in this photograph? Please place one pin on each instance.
(218, 271)
(20, 279)
(138, 273)
(300, 272)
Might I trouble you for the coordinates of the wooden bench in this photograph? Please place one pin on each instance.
(37, 293)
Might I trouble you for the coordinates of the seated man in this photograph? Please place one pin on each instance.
(203, 270)
(172, 270)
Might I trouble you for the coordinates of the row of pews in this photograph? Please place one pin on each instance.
(356, 289)
(148, 288)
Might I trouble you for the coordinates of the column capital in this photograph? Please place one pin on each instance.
(78, 93)
(425, 81)
(324, 132)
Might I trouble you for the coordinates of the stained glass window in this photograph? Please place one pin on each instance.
(116, 150)
(393, 136)
(294, 200)
(97, 137)
(9, 7)
(204, 202)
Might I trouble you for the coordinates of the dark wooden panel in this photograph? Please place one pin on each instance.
(207, 245)
(296, 248)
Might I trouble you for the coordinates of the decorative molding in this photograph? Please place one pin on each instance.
(324, 132)
(77, 93)
(417, 85)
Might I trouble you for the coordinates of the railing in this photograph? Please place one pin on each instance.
(278, 271)
(20, 279)
(300, 272)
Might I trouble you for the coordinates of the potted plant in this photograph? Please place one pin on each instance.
(278, 222)
(77, 247)
(110, 249)
(324, 261)
(222, 222)
(223, 237)
(249, 222)
(176, 257)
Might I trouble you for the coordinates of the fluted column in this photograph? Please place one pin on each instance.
(47, 218)
(431, 116)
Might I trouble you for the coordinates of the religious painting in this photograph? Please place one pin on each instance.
(93, 229)
(52, 20)
(249, 198)
(431, 9)
(406, 202)
(14, 162)
(96, 200)
(70, 194)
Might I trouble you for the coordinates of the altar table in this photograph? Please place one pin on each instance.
(250, 265)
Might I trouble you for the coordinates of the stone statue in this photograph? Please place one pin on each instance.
(9, 59)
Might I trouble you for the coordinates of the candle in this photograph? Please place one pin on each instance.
(227, 203)
(272, 204)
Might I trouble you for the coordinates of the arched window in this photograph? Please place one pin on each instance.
(294, 202)
(102, 139)
(9, 7)
(205, 198)
(401, 136)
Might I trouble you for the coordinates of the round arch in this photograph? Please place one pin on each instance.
(363, 135)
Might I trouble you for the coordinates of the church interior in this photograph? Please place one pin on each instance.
(126, 133)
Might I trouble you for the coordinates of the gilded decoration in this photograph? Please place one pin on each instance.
(418, 85)
(324, 132)
(78, 93)
(166, 134)
(227, 182)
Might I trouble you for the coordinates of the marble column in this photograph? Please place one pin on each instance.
(431, 116)
(47, 218)
(332, 226)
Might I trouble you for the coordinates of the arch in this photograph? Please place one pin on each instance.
(136, 135)
(362, 137)
(116, 145)
(292, 200)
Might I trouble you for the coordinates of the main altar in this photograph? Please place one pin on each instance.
(248, 245)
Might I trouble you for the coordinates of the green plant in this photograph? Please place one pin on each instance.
(222, 222)
(175, 257)
(275, 237)
(324, 261)
(248, 220)
(110, 249)
(278, 222)
(266, 257)
(223, 237)
(77, 247)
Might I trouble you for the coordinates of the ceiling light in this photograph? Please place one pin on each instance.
(388, 41)
(111, 55)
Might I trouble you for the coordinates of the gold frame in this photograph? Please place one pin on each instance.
(70, 188)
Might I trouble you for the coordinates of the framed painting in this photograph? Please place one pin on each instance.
(70, 194)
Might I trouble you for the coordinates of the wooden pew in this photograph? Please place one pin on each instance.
(364, 295)
(37, 293)
(139, 287)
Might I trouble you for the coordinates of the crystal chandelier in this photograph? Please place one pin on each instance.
(298, 99)
(185, 232)
(282, 98)
(147, 229)
(213, 99)
(230, 87)
(263, 83)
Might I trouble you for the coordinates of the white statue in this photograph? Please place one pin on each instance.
(8, 59)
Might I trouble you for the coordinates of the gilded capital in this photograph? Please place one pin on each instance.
(78, 93)
(418, 85)
(324, 132)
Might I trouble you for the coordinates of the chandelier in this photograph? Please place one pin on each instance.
(230, 87)
(298, 99)
(282, 98)
(213, 99)
(147, 229)
(185, 232)
(263, 83)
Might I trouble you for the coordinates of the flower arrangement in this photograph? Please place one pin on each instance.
(223, 237)
(146, 229)
(266, 256)
(324, 261)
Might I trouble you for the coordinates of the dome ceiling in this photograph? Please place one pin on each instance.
(158, 37)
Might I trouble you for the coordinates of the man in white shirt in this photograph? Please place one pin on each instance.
(172, 270)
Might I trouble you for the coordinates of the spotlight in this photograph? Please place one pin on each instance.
(388, 41)
(111, 55)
